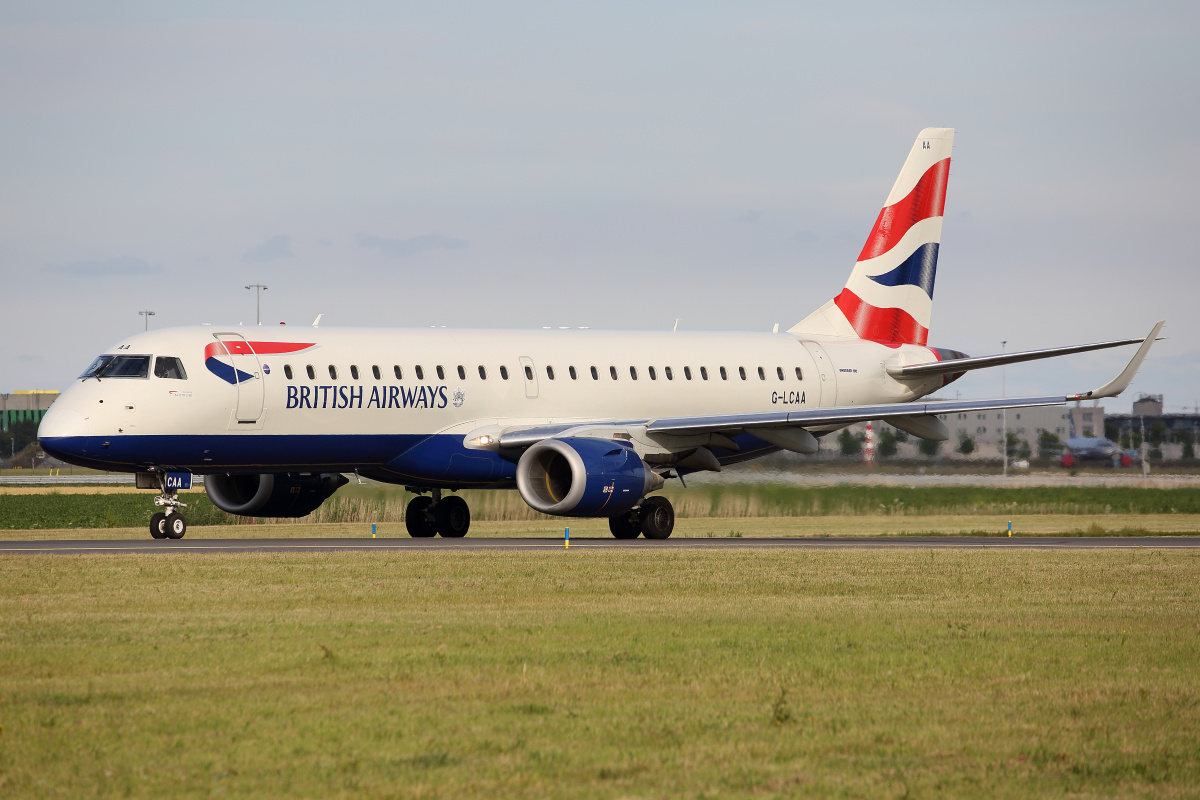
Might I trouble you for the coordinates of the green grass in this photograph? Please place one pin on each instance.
(374, 503)
(602, 674)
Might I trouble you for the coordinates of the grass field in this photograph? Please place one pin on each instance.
(48, 508)
(602, 674)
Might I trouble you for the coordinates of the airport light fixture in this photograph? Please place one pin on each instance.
(147, 315)
(258, 290)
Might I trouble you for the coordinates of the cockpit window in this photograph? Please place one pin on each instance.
(100, 363)
(119, 367)
(127, 367)
(171, 367)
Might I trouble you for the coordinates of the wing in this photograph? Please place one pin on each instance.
(690, 432)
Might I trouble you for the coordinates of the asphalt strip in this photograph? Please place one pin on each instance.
(144, 546)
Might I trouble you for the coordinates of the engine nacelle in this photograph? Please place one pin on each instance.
(579, 477)
(272, 495)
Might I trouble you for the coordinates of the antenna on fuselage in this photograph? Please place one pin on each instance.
(675, 327)
(317, 321)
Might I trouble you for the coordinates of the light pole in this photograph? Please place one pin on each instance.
(258, 290)
(1004, 412)
(147, 315)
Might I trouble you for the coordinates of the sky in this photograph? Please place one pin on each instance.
(617, 165)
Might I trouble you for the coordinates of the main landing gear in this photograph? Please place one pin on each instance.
(428, 516)
(169, 524)
(654, 519)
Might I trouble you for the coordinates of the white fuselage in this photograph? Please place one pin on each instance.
(234, 404)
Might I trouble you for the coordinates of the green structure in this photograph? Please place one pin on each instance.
(31, 404)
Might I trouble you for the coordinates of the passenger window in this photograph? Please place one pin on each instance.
(799, 374)
(762, 376)
(633, 373)
(704, 373)
(667, 371)
(595, 374)
(333, 372)
(172, 367)
(312, 376)
(420, 373)
(742, 372)
(779, 372)
(687, 373)
(482, 373)
(441, 373)
(462, 373)
(399, 373)
(503, 372)
(375, 371)
(613, 372)
(724, 376)
(653, 374)
(572, 371)
(287, 370)
(528, 372)
(550, 372)
(354, 371)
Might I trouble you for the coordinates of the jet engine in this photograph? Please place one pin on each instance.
(579, 477)
(272, 495)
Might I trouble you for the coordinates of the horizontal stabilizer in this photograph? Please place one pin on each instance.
(952, 366)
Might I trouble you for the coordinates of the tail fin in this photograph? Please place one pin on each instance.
(889, 297)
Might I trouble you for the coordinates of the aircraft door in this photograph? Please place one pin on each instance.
(825, 385)
(529, 373)
(247, 375)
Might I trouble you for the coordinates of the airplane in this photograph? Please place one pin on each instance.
(582, 423)
(1090, 448)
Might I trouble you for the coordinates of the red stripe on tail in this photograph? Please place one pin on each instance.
(927, 199)
(890, 326)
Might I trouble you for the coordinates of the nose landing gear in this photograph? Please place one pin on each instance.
(429, 516)
(169, 524)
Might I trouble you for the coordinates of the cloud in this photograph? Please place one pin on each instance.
(276, 247)
(121, 265)
(403, 248)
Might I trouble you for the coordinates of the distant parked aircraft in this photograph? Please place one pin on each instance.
(1089, 448)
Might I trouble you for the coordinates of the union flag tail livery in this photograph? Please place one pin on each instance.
(889, 296)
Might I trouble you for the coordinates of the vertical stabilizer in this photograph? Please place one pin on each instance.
(889, 296)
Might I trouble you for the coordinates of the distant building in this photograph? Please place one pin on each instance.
(1148, 414)
(987, 427)
(1148, 405)
(30, 404)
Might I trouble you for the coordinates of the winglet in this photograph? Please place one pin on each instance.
(1121, 382)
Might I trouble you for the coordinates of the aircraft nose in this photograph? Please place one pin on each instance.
(62, 423)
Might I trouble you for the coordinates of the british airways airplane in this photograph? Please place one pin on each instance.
(582, 423)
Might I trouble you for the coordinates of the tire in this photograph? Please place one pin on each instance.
(158, 525)
(415, 518)
(657, 517)
(453, 517)
(176, 526)
(625, 526)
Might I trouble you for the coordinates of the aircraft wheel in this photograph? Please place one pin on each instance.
(176, 526)
(416, 518)
(625, 526)
(453, 517)
(657, 517)
(158, 525)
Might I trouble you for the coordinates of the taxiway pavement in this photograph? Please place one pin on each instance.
(153, 546)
